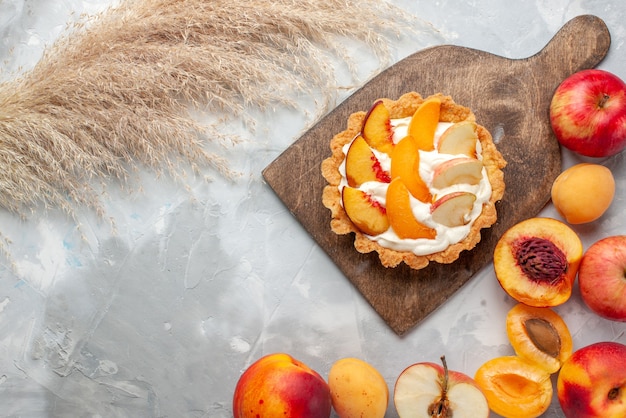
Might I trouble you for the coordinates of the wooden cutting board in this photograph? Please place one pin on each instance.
(510, 97)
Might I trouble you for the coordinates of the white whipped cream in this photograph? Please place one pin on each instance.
(446, 236)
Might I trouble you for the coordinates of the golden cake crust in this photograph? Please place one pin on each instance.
(406, 106)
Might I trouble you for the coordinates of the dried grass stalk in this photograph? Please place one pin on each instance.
(117, 89)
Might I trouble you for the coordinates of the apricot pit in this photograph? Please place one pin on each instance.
(536, 261)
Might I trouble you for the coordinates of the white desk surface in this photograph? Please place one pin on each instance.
(161, 318)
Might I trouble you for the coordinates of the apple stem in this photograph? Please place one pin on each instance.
(441, 408)
(605, 98)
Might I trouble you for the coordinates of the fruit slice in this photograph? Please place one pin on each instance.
(452, 209)
(536, 261)
(405, 162)
(515, 388)
(364, 212)
(424, 122)
(459, 138)
(376, 128)
(429, 390)
(461, 170)
(362, 164)
(401, 216)
(539, 335)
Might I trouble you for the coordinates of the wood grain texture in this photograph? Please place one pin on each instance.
(510, 97)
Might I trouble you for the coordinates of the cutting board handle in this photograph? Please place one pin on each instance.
(582, 43)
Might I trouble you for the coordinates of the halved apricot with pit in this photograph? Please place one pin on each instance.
(539, 335)
(515, 388)
(536, 261)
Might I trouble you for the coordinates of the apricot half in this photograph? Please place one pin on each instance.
(539, 335)
(515, 388)
(536, 261)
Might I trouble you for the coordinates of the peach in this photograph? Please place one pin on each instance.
(405, 162)
(376, 129)
(460, 138)
(401, 216)
(279, 385)
(369, 216)
(539, 335)
(424, 123)
(592, 382)
(536, 261)
(362, 164)
(583, 192)
(515, 388)
(357, 389)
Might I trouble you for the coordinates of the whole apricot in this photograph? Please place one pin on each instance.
(583, 192)
(357, 389)
(278, 385)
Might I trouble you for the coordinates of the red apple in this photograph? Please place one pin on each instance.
(588, 113)
(601, 277)
(430, 390)
(592, 382)
(277, 385)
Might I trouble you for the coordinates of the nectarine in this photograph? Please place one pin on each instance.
(592, 382)
(277, 385)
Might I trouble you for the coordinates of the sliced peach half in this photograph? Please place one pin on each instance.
(453, 209)
(459, 138)
(362, 164)
(366, 214)
(376, 128)
(515, 388)
(539, 335)
(536, 261)
(461, 170)
(401, 216)
(405, 163)
(424, 123)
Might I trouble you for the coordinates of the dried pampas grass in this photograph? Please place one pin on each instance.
(117, 90)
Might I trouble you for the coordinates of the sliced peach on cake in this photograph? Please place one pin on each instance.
(424, 123)
(461, 170)
(376, 128)
(459, 138)
(536, 261)
(401, 216)
(453, 209)
(366, 214)
(362, 164)
(405, 162)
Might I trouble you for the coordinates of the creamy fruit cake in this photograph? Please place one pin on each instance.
(415, 179)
